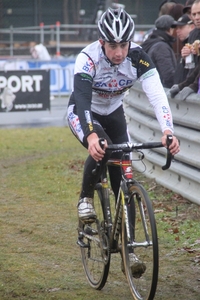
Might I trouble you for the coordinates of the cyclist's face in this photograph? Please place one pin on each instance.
(116, 52)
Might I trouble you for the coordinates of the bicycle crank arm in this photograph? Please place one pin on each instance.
(89, 237)
(136, 245)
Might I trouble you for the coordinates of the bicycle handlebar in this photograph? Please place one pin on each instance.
(129, 147)
(169, 155)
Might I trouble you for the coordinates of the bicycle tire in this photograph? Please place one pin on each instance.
(144, 287)
(96, 262)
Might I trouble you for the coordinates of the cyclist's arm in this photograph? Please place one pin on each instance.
(83, 78)
(157, 97)
(154, 91)
(83, 96)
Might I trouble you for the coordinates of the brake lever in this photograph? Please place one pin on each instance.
(169, 155)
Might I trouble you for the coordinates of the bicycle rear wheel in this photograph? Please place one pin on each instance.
(95, 251)
(143, 243)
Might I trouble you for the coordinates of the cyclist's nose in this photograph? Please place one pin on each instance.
(118, 52)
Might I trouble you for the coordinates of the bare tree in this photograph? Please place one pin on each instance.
(71, 9)
(71, 16)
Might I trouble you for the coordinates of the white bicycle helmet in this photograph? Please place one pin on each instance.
(116, 26)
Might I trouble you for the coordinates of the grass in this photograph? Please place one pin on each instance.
(40, 179)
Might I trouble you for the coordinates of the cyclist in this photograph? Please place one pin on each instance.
(104, 71)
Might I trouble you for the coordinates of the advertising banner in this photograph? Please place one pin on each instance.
(24, 90)
(61, 72)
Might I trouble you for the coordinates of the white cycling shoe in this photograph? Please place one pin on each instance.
(136, 265)
(86, 210)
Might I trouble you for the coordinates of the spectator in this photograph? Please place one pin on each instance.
(40, 52)
(176, 11)
(187, 87)
(164, 9)
(187, 7)
(159, 48)
(184, 26)
(188, 51)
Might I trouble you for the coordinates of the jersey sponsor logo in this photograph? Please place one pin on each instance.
(123, 82)
(114, 83)
(74, 121)
(145, 63)
(71, 116)
(168, 123)
(167, 116)
(88, 120)
(148, 73)
(78, 127)
(88, 65)
(85, 76)
(166, 112)
(165, 109)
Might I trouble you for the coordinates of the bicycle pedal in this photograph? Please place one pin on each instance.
(82, 244)
(89, 230)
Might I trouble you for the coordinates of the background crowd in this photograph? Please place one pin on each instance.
(174, 46)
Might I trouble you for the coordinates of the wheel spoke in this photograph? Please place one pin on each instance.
(96, 254)
(144, 246)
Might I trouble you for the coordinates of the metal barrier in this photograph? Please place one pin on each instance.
(56, 35)
(183, 177)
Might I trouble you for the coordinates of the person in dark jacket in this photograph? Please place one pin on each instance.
(159, 48)
(184, 26)
(188, 86)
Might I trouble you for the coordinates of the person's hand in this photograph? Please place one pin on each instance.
(173, 91)
(174, 147)
(94, 148)
(195, 47)
(186, 50)
(185, 92)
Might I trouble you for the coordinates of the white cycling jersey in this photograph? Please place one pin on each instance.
(108, 83)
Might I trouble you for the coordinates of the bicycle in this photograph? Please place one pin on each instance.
(131, 230)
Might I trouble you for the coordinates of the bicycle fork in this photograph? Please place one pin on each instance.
(132, 201)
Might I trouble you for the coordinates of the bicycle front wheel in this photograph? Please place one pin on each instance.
(141, 240)
(95, 250)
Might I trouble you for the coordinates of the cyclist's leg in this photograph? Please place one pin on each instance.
(117, 131)
(85, 205)
(92, 240)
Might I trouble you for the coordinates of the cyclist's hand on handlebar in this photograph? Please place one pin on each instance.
(174, 147)
(94, 147)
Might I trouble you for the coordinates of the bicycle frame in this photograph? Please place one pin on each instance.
(113, 227)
